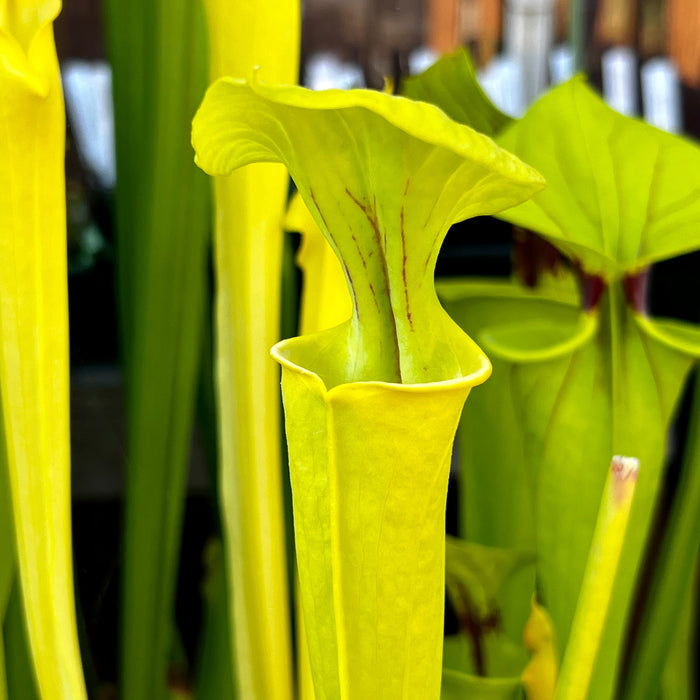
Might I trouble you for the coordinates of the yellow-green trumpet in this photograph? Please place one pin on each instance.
(371, 405)
(34, 337)
(248, 256)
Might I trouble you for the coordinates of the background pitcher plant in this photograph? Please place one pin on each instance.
(591, 364)
(34, 340)
(249, 207)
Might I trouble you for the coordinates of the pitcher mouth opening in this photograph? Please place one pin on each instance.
(290, 355)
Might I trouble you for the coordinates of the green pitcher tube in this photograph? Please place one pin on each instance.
(377, 456)
(34, 362)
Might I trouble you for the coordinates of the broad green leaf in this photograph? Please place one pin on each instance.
(384, 178)
(611, 385)
(451, 84)
(34, 338)
(248, 253)
(162, 233)
(620, 194)
(601, 569)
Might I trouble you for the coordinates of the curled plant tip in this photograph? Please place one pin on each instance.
(452, 84)
(540, 675)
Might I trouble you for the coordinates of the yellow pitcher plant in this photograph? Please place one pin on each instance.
(371, 405)
(34, 370)
(248, 252)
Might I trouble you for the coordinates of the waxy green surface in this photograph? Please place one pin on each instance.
(498, 479)
(577, 393)
(369, 465)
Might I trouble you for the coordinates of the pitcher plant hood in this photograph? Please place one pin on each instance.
(384, 177)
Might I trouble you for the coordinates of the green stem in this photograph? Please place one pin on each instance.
(583, 644)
